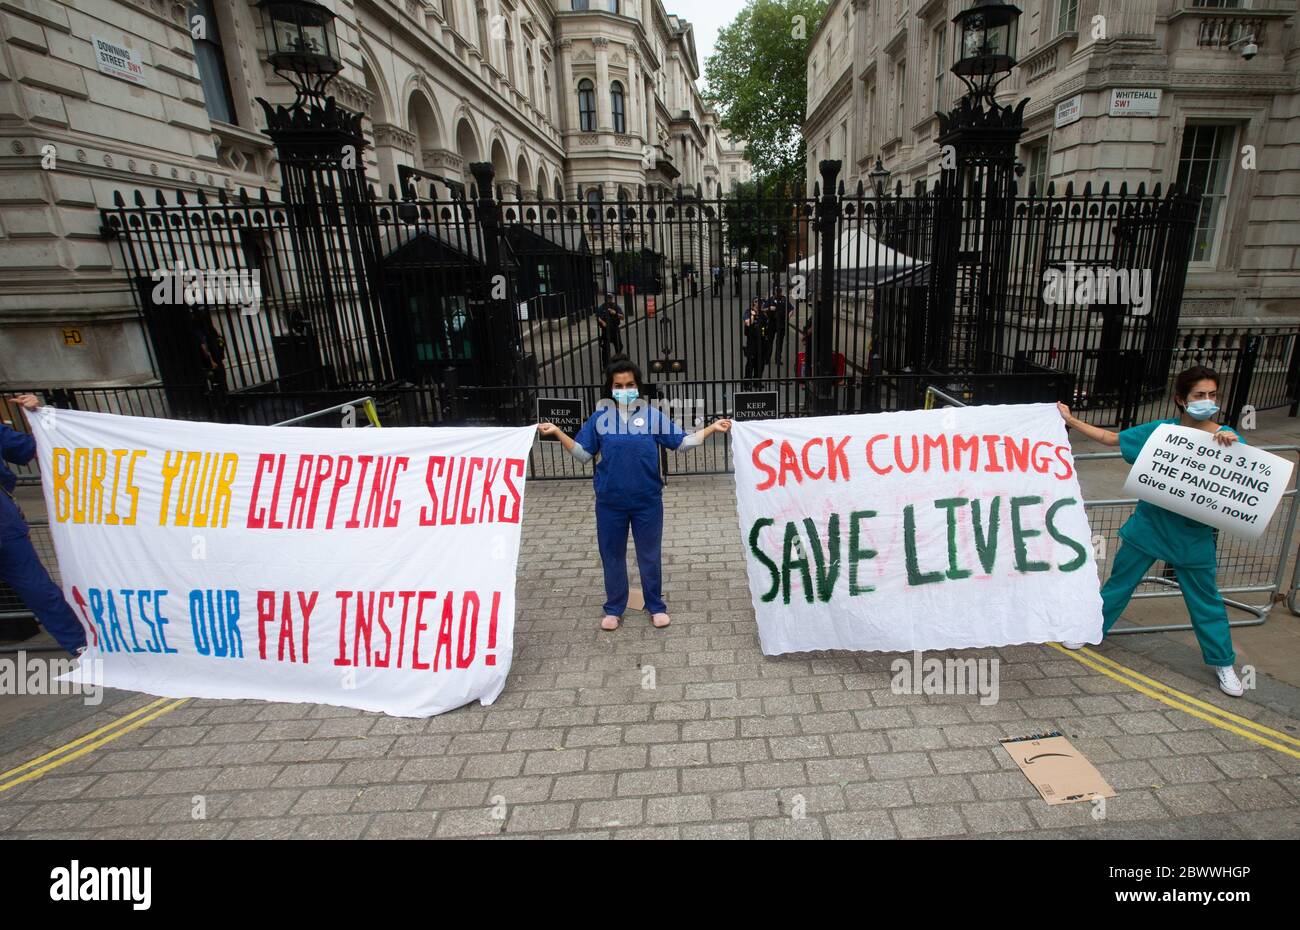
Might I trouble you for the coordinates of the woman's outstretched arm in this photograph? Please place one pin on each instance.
(1104, 436)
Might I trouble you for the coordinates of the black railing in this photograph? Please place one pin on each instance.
(480, 301)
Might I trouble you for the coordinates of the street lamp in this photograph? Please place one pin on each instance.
(879, 176)
(987, 44)
(301, 43)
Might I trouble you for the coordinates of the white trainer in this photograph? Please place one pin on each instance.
(1074, 645)
(1229, 683)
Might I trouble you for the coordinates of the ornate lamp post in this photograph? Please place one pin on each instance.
(978, 139)
(301, 44)
(987, 44)
(879, 177)
(323, 184)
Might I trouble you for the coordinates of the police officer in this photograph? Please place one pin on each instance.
(1155, 533)
(20, 567)
(626, 432)
(608, 319)
(779, 310)
(756, 324)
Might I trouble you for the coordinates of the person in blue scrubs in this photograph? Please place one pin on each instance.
(20, 567)
(626, 432)
(1154, 533)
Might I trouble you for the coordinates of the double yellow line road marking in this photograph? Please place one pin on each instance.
(64, 754)
(1203, 710)
(1143, 684)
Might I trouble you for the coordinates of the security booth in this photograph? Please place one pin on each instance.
(556, 269)
(638, 271)
(435, 284)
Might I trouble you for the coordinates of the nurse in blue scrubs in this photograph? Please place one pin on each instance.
(20, 566)
(626, 433)
(1155, 533)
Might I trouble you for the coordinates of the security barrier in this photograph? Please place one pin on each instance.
(1254, 567)
(1245, 567)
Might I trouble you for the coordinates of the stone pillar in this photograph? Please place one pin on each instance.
(567, 118)
(604, 112)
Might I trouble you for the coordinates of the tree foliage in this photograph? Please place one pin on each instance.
(757, 80)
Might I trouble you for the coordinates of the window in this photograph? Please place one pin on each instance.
(212, 65)
(616, 104)
(871, 117)
(508, 53)
(900, 97)
(1067, 16)
(580, 6)
(1205, 163)
(483, 33)
(1038, 168)
(940, 66)
(586, 106)
(1218, 4)
(532, 78)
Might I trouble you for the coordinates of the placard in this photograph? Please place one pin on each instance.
(366, 568)
(915, 530)
(1236, 488)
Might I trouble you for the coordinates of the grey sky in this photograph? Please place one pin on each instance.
(707, 16)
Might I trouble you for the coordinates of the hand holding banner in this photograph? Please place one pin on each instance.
(365, 568)
(939, 529)
(1235, 488)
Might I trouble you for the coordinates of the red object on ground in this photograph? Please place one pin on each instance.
(836, 357)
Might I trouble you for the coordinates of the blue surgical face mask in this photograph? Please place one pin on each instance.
(625, 395)
(1202, 409)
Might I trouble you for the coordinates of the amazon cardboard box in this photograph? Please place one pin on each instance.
(1060, 772)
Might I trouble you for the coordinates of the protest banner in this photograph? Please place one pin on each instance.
(366, 568)
(926, 529)
(1235, 488)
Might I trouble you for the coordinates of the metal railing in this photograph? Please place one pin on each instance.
(1243, 566)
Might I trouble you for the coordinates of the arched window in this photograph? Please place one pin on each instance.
(586, 106)
(616, 104)
(532, 79)
(594, 207)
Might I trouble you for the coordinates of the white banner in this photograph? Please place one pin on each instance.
(370, 568)
(1236, 488)
(938, 529)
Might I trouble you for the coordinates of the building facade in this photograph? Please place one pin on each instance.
(101, 96)
(1119, 91)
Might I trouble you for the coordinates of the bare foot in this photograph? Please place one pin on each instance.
(610, 622)
(660, 620)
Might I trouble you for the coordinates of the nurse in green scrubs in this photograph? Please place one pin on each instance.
(1155, 533)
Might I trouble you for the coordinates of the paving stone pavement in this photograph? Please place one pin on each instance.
(687, 732)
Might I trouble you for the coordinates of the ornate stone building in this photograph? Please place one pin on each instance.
(1118, 90)
(100, 96)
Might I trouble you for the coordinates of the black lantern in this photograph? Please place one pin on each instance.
(301, 43)
(879, 175)
(986, 45)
